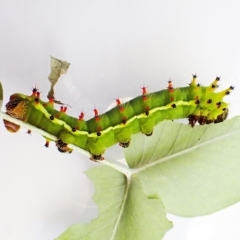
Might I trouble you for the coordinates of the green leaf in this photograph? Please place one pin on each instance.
(1, 95)
(195, 171)
(124, 210)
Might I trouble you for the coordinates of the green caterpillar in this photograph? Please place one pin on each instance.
(197, 103)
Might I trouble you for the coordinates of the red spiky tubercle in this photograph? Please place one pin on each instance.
(119, 104)
(171, 90)
(81, 116)
(63, 109)
(96, 115)
(144, 94)
(34, 92)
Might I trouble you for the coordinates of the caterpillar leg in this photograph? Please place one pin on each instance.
(202, 120)
(62, 147)
(192, 119)
(124, 144)
(222, 117)
(96, 158)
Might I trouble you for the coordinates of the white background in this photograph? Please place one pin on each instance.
(114, 47)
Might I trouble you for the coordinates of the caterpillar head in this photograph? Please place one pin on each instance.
(15, 108)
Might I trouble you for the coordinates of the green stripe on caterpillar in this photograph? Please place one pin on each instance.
(197, 103)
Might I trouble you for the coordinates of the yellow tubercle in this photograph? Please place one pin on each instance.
(194, 80)
(214, 85)
(226, 91)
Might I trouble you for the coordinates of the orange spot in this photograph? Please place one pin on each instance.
(121, 108)
(171, 99)
(99, 128)
(97, 118)
(147, 108)
(197, 98)
(51, 100)
(145, 98)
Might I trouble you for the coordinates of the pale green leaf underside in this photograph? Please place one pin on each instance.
(1, 95)
(124, 211)
(195, 171)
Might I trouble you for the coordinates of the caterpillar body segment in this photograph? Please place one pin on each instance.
(197, 103)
